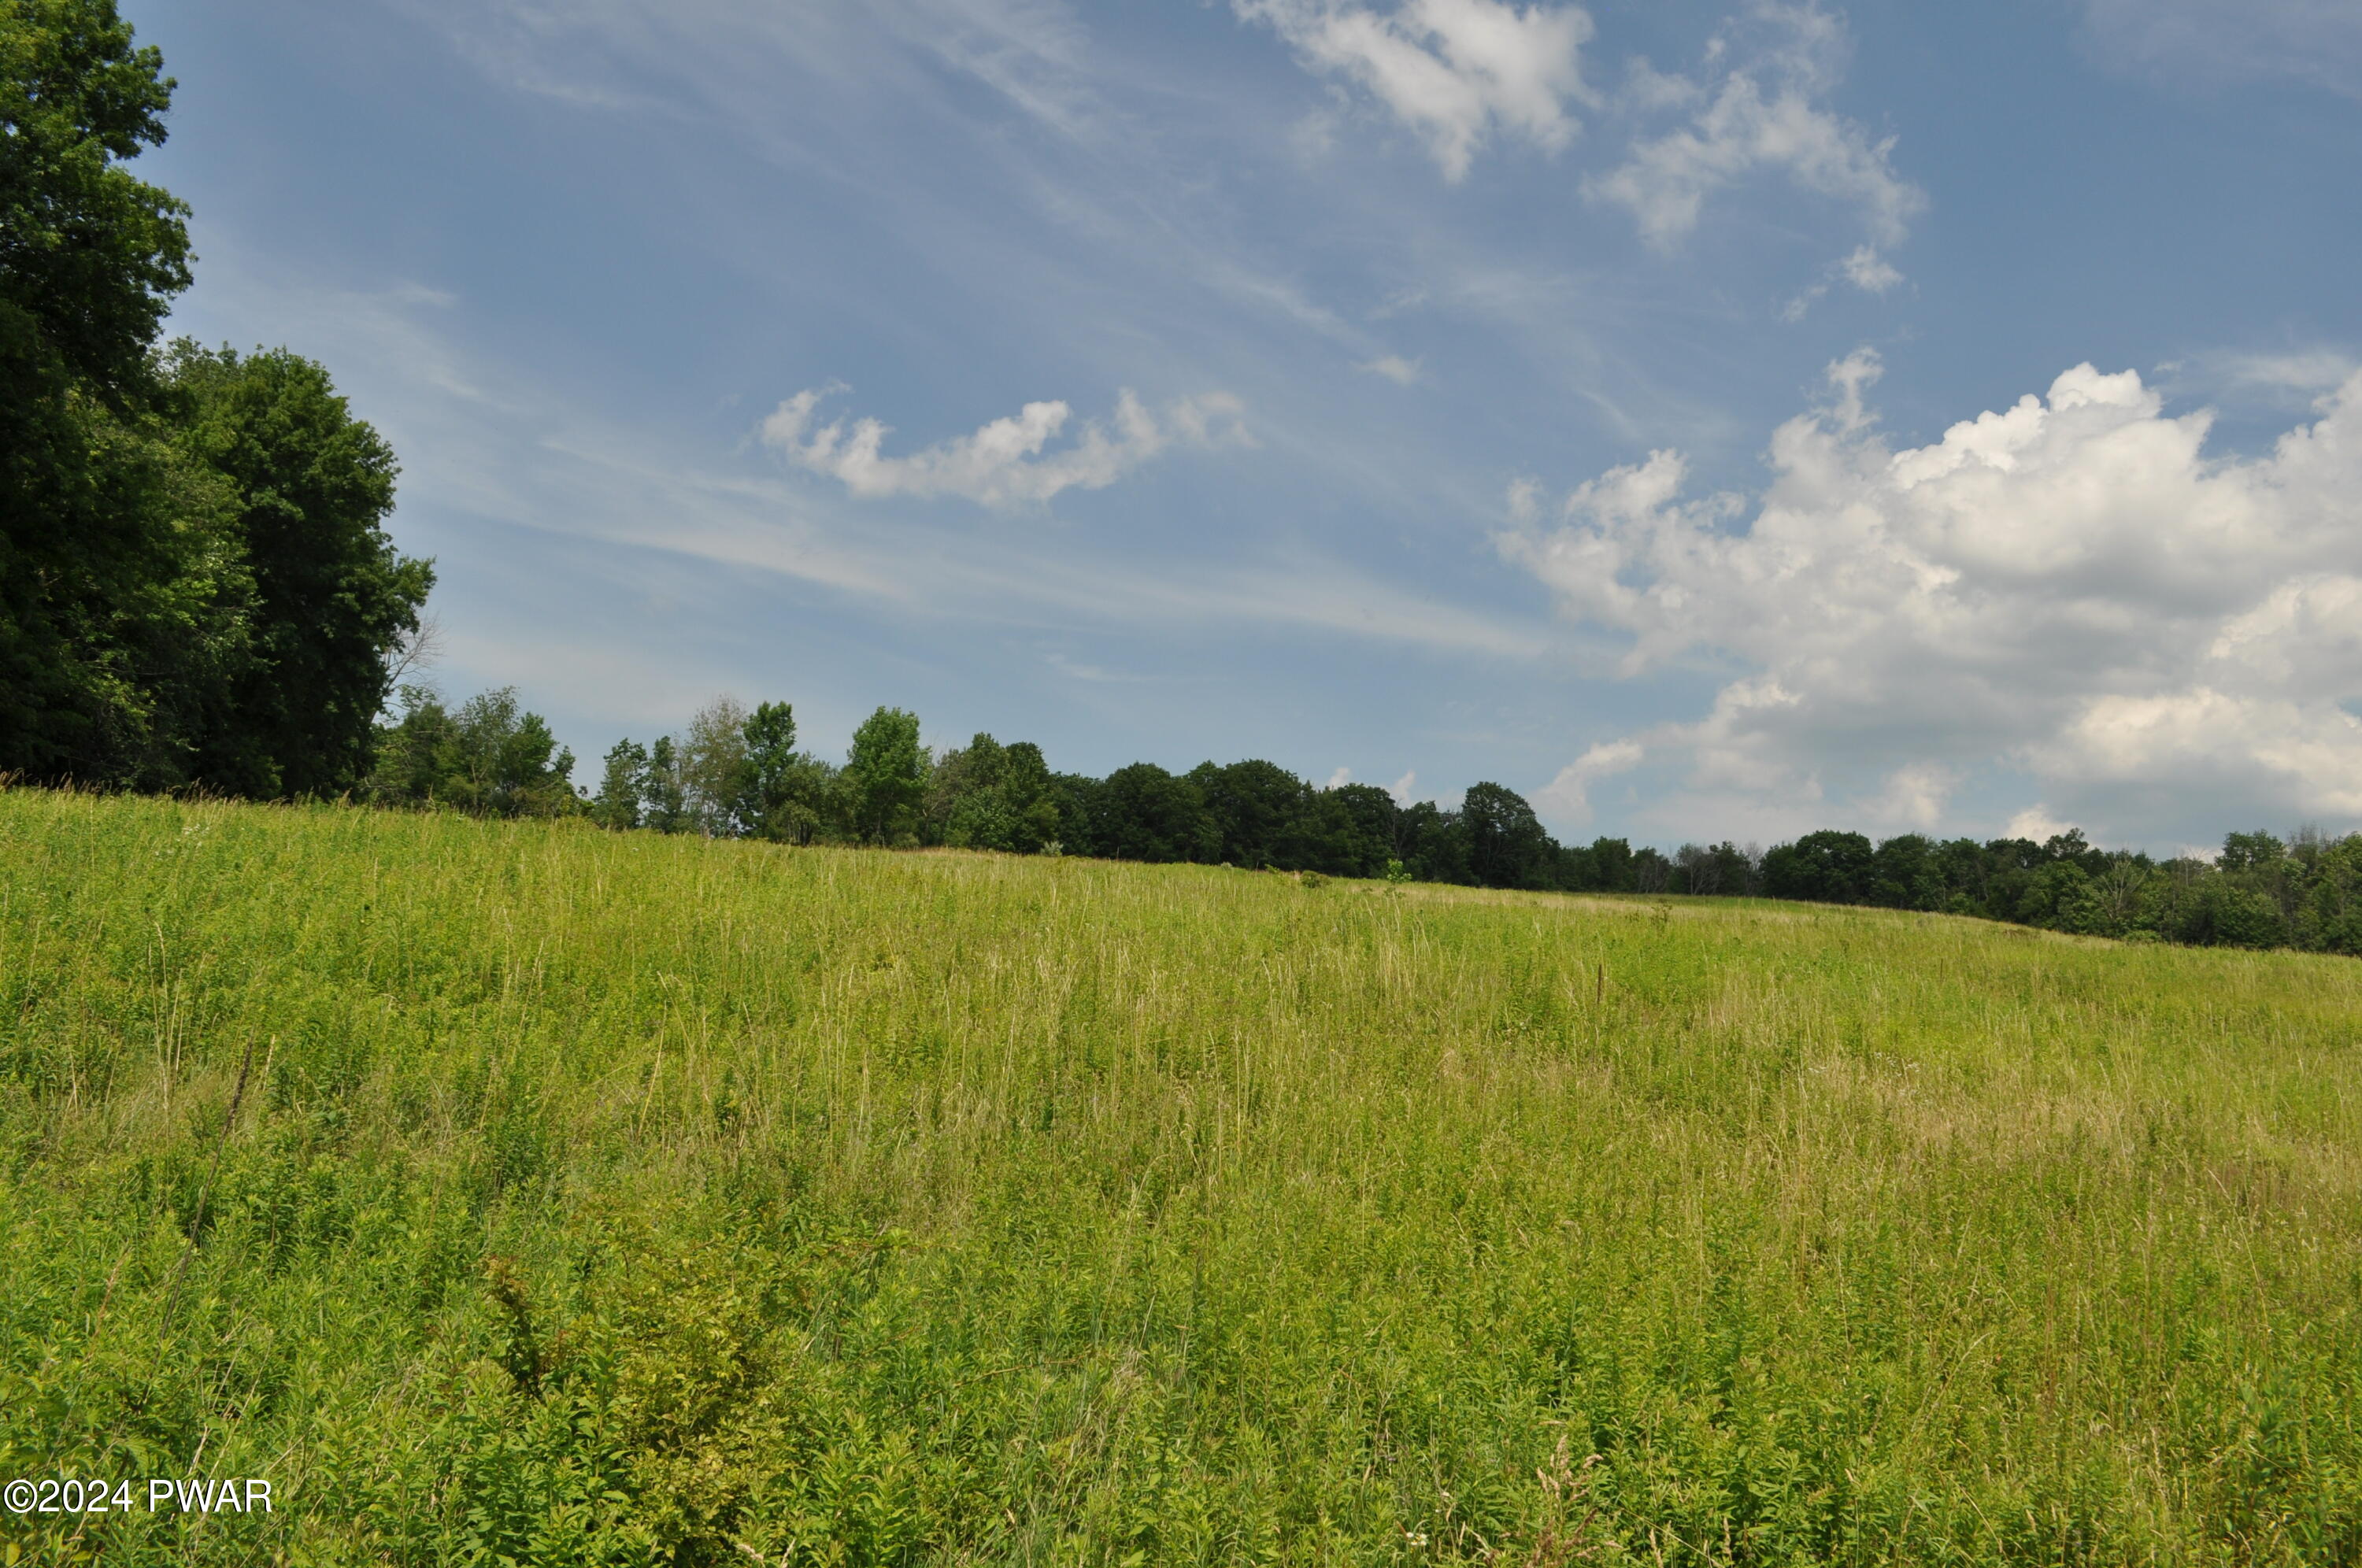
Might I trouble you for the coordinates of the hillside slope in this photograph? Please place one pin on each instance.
(602, 1197)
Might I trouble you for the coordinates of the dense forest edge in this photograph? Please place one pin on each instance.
(197, 594)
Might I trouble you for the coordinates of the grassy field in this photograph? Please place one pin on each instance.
(531, 1194)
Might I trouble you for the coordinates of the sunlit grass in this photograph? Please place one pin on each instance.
(600, 1198)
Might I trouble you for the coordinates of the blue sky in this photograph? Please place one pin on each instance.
(1707, 420)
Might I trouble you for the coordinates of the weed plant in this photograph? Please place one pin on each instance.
(520, 1193)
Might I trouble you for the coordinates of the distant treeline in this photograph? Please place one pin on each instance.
(737, 773)
(2262, 891)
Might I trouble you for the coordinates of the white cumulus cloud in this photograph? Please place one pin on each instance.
(1455, 71)
(2035, 822)
(2070, 588)
(1009, 462)
(1764, 114)
(1568, 796)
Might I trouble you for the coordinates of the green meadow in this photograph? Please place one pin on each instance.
(527, 1193)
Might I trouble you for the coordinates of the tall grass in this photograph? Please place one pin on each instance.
(618, 1198)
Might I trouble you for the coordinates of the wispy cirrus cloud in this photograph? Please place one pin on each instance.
(2223, 41)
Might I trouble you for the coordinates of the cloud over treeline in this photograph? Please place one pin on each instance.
(2071, 588)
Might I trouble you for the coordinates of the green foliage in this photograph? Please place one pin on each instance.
(618, 1198)
(164, 626)
(771, 736)
(739, 774)
(194, 584)
(1824, 867)
(1353, 830)
(1723, 867)
(490, 760)
(120, 587)
(885, 778)
(716, 768)
(664, 789)
(332, 598)
(1507, 845)
(2259, 893)
(1257, 810)
(617, 803)
(784, 794)
(127, 601)
(90, 257)
(1146, 814)
(989, 796)
(1429, 839)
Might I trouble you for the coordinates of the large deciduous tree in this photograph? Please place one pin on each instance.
(788, 793)
(332, 598)
(768, 784)
(985, 795)
(885, 777)
(1259, 810)
(90, 257)
(1350, 831)
(1827, 868)
(714, 764)
(1507, 845)
(664, 789)
(195, 584)
(1146, 814)
(617, 803)
(100, 538)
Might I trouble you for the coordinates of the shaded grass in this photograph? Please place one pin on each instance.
(621, 1199)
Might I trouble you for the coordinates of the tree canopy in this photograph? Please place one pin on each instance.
(195, 584)
(331, 597)
(116, 589)
(89, 256)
